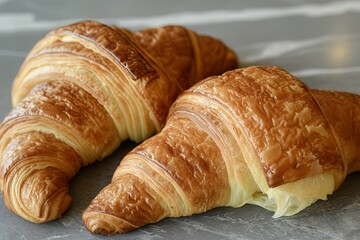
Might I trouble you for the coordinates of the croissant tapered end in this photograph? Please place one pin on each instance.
(49, 191)
(43, 197)
(100, 223)
(342, 111)
(187, 57)
(38, 194)
(136, 206)
(254, 135)
(217, 58)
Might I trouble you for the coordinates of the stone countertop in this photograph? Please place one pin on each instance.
(318, 41)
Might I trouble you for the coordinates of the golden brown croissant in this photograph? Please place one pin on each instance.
(254, 135)
(82, 90)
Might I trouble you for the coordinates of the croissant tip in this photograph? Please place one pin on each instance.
(98, 226)
(50, 202)
(105, 224)
(56, 207)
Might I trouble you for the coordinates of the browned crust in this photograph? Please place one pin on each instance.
(281, 120)
(342, 111)
(116, 42)
(163, 61)
(196, 162)
(85, 88)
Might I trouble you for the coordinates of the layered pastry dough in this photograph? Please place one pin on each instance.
(254, 135)
(82, 90)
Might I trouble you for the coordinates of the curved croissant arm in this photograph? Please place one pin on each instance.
(82, 90)
(254, 135)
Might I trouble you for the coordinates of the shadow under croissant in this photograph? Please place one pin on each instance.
(90, 180)
(254, 135)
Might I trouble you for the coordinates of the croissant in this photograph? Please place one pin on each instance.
(255, 135)
(82, 90)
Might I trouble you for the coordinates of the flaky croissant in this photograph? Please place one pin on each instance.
(254, 135)
(82, 90)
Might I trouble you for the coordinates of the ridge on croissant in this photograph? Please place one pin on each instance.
(82, 90)
(254, 135)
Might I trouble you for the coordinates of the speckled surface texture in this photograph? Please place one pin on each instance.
(317, 41)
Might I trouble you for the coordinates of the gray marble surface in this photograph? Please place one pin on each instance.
(318, 41)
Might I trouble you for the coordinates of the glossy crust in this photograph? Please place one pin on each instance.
(82, 90)
(253, 135)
